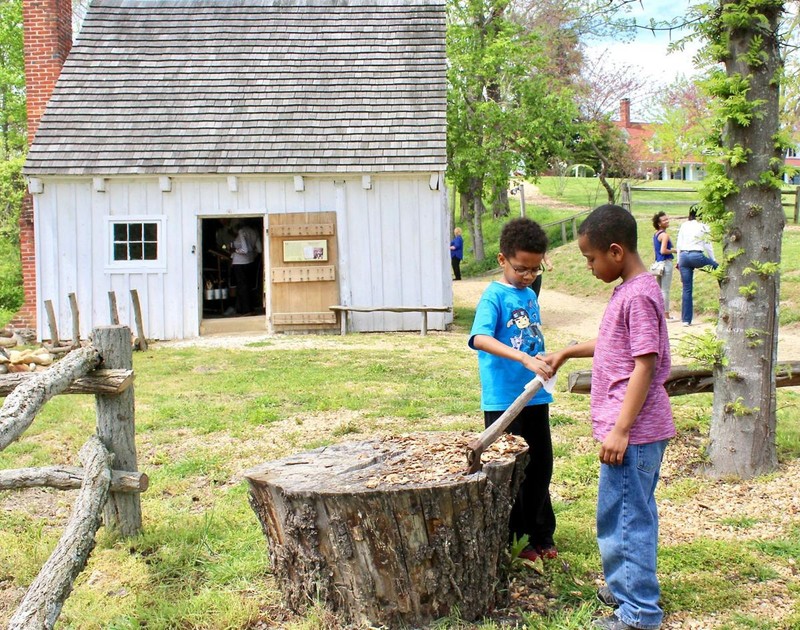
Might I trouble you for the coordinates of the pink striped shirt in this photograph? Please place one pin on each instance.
(633, 325)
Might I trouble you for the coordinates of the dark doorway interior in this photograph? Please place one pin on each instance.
(220, 290)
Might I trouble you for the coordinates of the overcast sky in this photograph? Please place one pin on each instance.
(647, 53)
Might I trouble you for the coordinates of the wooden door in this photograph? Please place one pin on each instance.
(303, 263)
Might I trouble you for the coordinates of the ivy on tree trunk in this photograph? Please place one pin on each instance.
(742, 198)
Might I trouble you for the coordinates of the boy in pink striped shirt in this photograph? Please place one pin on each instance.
(631, 417)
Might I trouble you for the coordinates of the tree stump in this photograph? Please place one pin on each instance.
(390, 531)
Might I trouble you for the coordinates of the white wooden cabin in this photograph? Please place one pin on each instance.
(321, 122)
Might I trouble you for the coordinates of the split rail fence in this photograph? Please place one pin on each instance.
(109, 481)
(628, 190)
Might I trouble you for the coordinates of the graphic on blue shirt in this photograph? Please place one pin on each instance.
(530, 339)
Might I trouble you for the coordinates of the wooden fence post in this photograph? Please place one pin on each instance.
(116, 428)
(51, 320)
(112, 307)
(796, 204)
(626, 196)
(137, 314)
(563, 233)
(76, 320)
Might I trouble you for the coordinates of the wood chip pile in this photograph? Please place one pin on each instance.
(424, 458)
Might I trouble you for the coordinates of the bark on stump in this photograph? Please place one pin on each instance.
(389, 531)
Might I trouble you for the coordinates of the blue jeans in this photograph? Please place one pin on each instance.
(687, 263)
(627, 533)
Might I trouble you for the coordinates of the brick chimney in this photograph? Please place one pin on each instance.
(47, 28)
(625, 112)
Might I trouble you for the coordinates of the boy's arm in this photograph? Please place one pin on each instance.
(498, 348)
(576, 351)
(613, 448)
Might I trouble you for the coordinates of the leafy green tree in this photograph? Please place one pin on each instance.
(503, 111)
(13, 118)
(683, 121)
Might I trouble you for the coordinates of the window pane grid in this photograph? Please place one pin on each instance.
(135, 241)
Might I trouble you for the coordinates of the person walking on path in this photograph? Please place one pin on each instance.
(507, 333)
(631, 417)
(456, 253)
(664, 252)
(694, 252)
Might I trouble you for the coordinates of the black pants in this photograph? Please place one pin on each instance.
(532, 512)
(456, 263)
(245, 281)
(537, 285)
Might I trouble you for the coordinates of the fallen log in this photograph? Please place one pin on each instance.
(390, 532)
(95, 382)
(45, 597)
(68, 478)
(22, 405)
(686, 380)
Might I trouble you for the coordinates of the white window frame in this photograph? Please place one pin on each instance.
(159, 264)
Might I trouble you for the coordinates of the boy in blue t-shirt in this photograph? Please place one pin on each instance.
(507, 333)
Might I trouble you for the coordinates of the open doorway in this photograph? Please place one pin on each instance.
(233, 267)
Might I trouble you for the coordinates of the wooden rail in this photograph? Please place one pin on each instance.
(684, 380)
(109, 482)
(573, 221)
(627, 198)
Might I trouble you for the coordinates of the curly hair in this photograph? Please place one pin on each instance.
(609, 224)
(522, 235)
(657, 219)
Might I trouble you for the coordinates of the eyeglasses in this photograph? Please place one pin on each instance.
(524, 271)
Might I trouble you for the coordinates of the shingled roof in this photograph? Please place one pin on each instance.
(249, 86)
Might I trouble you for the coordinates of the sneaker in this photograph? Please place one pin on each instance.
(612, 622)
(687, 324)
(548, 553)
(529, 553)
(606, 597)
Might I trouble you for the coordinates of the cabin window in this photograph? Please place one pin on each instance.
(135, 242)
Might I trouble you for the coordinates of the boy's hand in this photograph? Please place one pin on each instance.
(538, 365)
(555, 360)
(612, 451)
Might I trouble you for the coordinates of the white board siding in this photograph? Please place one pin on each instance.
(392, 245)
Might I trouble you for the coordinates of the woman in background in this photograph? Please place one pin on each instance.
(662, 247)
(456, 252)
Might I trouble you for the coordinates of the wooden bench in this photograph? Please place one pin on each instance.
(342, 310)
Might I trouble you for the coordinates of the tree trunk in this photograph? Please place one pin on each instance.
(478, 210)
(500, 207)
(390, 532)
(602, 174)
(743, 424)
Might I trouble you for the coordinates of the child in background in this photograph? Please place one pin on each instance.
(631, 417)
(507, 333)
